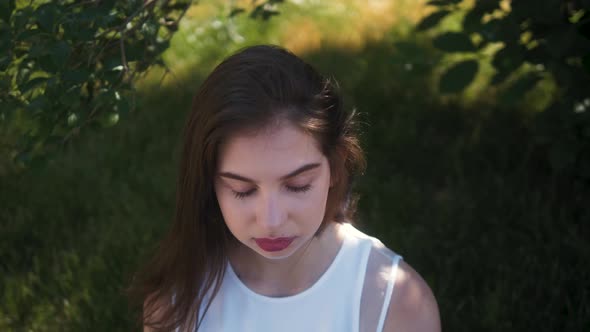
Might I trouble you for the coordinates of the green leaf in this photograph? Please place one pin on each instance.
(489, 31)
(39, 49)
(236, 11)
(437, 3)
(60, 53)
(432, 20)
(458, 76)
(500, 76)
(8, 107)
(78, 32)
(262, 11)
(23, 74)
(28, 34)
(508, 29)
(46, 16)
(76, 76)
(577, 16)
(440, 3)
(161, 46)
(134, 50)
(122, 106)
(149, 29)
(5, 39)
(38, 104)
(109, 119)
(21, 18)
(177, 5)
(113, 63)
(32, 84)
(506, 61)
(70, 99)
(473, 18)
(5, 61)
(519, 88)
(110, 77)
(454, 42)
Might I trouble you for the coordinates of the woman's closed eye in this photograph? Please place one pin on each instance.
(300, 189)
(295, 189)
(243, 194)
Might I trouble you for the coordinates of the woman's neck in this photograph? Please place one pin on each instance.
(292, 275)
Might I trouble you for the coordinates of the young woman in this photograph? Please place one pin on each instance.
(261, 239)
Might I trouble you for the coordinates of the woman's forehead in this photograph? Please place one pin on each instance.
(278, 149)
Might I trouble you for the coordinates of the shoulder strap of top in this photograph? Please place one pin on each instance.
(360, 287)
(379, 281)
(388, 292)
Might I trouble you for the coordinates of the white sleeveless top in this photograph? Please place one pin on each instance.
(353, 294)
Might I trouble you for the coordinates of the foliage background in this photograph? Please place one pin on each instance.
(481, 196)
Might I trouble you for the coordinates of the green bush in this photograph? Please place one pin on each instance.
(66, 65)
(527, 42)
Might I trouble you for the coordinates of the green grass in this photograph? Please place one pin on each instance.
(458, 186)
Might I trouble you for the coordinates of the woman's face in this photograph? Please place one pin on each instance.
(272, 189)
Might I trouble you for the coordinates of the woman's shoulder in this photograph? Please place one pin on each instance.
(413, 306)
(395, 289)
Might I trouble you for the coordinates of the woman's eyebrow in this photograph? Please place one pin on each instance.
(296, 172)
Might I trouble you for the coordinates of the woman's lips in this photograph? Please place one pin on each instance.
(274, 244)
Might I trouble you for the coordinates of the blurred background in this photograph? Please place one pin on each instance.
(474, 117)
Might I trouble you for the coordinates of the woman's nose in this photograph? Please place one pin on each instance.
(270, 215)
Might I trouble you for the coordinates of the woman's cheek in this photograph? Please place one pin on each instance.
(309, 200)
(230, 206)
(232, 203)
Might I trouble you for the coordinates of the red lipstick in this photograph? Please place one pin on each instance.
(275, 244)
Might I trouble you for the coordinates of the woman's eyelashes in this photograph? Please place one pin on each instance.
(295, 189)
(301, 189)
(243, 194)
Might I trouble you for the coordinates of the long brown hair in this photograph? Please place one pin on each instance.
(252, 89)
